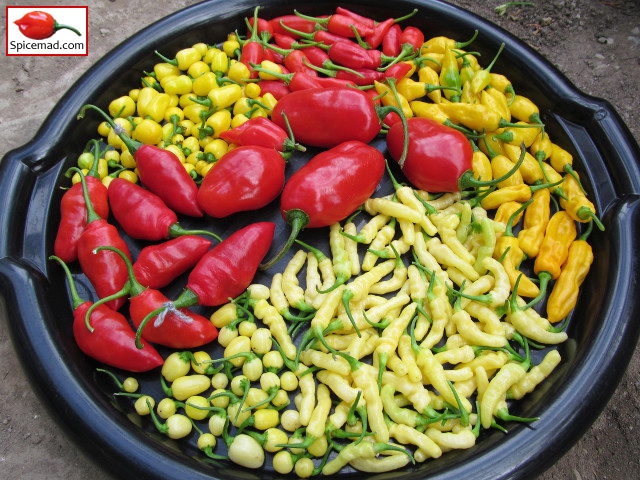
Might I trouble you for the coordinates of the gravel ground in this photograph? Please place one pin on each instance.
(596, 44)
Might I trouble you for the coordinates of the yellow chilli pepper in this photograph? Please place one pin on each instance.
(501, 165)
(494, 98)
(554, 250)
(156, 106)
(536, 218)
(389, 98)
(524, 109)
(144, 97)
(428, 110)
(148, 131)
(122, 107)
(576, 203)
(482, 78)
(564, 294)
(450, 76)
(179, 85)
(508, 251)
(225, 96)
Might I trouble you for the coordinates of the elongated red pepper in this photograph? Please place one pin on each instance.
(264, 26)
(374, 39)
(286, 23)
(352, 55)
(244, 179)
(252, 49)
(391, 45)
(73, 212)
(175, 328)
(298, 81)
(369, 22)
(326, 117)
(39, 25)
(438, 157)
(158, 265)
(342, 25)
(362, 76)
(143, 215)
(262, 132)
(295, 62)
(112, 341)
(329, 188)
(277, 88)
(160, 171)
(107, 272)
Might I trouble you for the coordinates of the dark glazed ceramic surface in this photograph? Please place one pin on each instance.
(603, 327)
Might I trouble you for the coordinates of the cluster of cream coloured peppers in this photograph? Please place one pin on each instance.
(430, 304)
(430, 289)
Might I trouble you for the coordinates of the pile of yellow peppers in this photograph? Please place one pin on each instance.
(183, 106)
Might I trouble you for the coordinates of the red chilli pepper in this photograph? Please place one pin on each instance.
(413, 36)
(264, 26)
(391, 45)
(112, 340)
(369, 22)
(352, 55)
(438, 157)
(380, 30)
(227, 269)
(175, 328)
(329, 188)
(39, 25)
(286, 23)
(143, 215)
(73, 212)
(277, 88)
(252, 49)
(244, 179)
(363, 76)
(160, 171)
(262, 132)
(342, 25)
(158, 265)
(326, 117)
(106, 271)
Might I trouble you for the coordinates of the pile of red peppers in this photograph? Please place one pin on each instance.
(324, 101)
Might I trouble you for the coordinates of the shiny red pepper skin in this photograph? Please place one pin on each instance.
(158, 265)
(73, 213)
(112, 341)
(398, 70)
(162, 172)
(252, 50)
(334, 183)
(352, 55)
(295, 62)
(342, 25)
(374, 40)
(263, 26)
(368, 22)
(39, 25)
(437, 155)
(391, 45)
(328, 188)
(258, 131)
(294, 22)
(244, 179)
(326, 117)
(106, 271)
(159, 170)
(277, 88)
(173, 332)
(228, 268)
(141, 214)
(413, 36)
(367, 76)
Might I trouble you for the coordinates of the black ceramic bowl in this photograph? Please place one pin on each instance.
(603, 329)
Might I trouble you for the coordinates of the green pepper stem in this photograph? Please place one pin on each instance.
(75, 298)
(132, 145)
(175, 230)
(467, 179)
(298, 219)
(544, 277)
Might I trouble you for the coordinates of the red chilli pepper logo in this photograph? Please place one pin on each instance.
(39, 25)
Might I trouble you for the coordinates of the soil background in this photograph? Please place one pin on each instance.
(596, 44)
